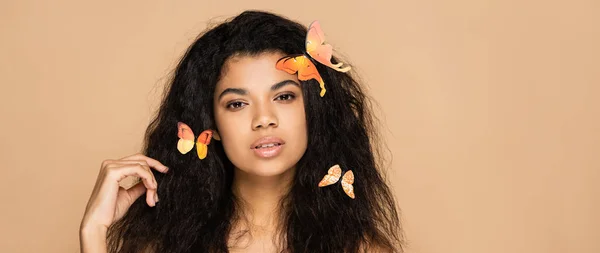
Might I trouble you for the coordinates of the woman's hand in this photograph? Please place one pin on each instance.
(109, 202)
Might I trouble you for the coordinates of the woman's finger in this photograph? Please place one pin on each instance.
(138, 190)
(109, 200)
(119, 163)
(126, 197)
(143, 162)
(151, 162)
(119, 172)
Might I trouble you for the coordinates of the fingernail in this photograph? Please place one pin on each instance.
(166, 169)
(155, 197)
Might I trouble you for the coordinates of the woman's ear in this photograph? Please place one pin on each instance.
(216, 135)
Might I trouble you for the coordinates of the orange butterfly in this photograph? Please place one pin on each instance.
(316, 49)
(333, 175)
(186, 140)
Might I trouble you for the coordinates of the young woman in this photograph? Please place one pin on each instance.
(283, 161)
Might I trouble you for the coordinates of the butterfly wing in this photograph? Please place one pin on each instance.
(347, 181)
(305, 68)
(333, 175)
(202, 143)
(186, 138)
(315, 37)
(319, 50)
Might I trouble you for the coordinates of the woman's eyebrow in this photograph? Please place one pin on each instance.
(234, 91)
(284, 83)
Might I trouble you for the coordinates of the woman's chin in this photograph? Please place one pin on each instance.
(263, 169)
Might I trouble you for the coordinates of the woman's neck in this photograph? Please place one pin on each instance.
(260, 197)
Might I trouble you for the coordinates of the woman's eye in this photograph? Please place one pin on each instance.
(285, 97)
(235, 105)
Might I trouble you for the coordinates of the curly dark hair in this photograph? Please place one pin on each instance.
(197, 206)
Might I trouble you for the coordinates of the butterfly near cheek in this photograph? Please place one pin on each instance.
(318, 50)
(186, 140)
(333, 176)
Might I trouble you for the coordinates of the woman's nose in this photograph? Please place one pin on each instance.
(264, 118)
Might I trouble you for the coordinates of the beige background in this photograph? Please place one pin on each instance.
(491, 110)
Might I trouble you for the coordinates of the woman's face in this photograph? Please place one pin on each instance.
(260, 117)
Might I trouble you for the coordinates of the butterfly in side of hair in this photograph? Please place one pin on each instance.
(333, 176)
(186, 140)
(317, 49)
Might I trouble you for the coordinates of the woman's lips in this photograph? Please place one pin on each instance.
(268, 152)
(267, 147)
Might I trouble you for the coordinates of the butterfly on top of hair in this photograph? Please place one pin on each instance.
(186, 140)
(317, 49)
(333, 176)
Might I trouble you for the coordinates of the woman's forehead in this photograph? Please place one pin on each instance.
(252, 71)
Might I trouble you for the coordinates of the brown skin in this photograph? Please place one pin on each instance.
(241, 120)
(244, 118)
(109, 202)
